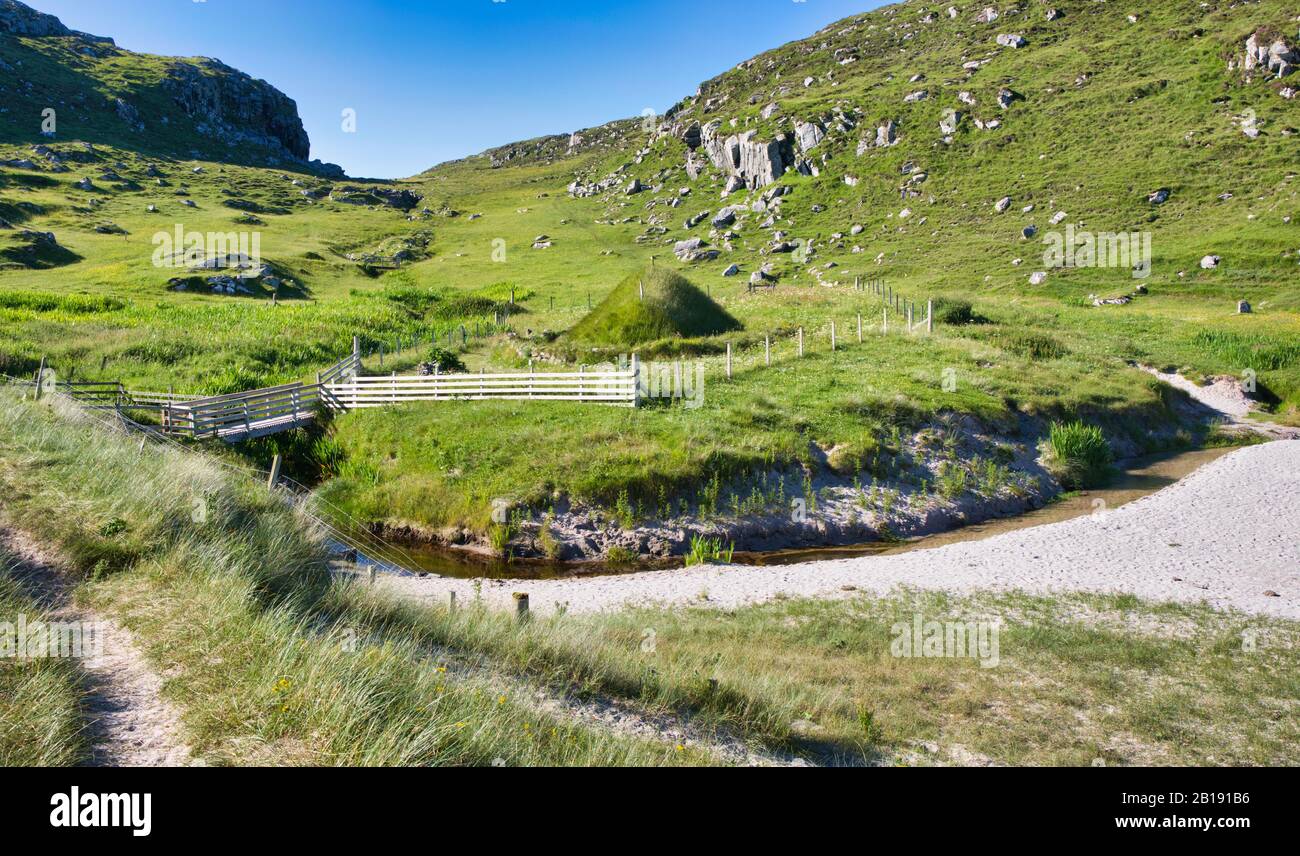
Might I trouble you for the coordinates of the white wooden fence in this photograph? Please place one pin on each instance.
(614, 387)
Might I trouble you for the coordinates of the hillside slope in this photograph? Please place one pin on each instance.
(62, 84)
(939, 152)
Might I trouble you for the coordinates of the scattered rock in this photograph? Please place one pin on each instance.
(1038, 277)
(726, 217)
(1012, 40)
(1159, 197)
(1002, 205)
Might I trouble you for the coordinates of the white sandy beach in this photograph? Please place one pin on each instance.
(1225, 535)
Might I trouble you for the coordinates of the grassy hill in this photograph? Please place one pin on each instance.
(651, 305)
(1098, 122)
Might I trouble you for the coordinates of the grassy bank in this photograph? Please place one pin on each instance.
(218, 580)
(40, 699)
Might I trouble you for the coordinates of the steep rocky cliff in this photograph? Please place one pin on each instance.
(100, 93)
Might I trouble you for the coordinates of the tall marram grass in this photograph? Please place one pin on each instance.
(1080, 456)
(40, 721)
(220, 579)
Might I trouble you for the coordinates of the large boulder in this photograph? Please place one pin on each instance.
(808, 135)
(692, 136)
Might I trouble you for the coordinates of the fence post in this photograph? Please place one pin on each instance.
(859, 328)
(909, 317)
(884, 325)
(728, 361)
(40, 378)
(248, 427)
(275, 473)
(767, 350)
(929, 316)
(636, 380)
(832, 336)
(521, 607)
(801, 341)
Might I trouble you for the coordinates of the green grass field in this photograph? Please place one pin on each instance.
(1105, 113)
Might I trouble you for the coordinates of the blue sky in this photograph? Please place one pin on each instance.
(441, 79)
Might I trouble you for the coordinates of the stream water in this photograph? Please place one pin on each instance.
(1141, 477)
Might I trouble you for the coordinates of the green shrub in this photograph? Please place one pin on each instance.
(448, 361)
(1079, 455)
(953, 312)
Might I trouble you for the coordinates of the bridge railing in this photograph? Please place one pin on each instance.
(245, 414)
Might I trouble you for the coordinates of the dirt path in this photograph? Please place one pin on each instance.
(128, 722)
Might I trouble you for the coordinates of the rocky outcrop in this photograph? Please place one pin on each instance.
(20, 19)
(236, 109)
(753, 161)
(1269, 52)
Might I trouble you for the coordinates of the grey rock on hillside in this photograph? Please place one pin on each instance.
(235, 108)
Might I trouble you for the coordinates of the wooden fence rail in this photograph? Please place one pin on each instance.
(615, 387)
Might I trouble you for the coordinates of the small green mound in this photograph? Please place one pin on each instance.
(671, 308)
(1079, 455)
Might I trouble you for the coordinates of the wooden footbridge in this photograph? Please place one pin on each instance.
(263, 412)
